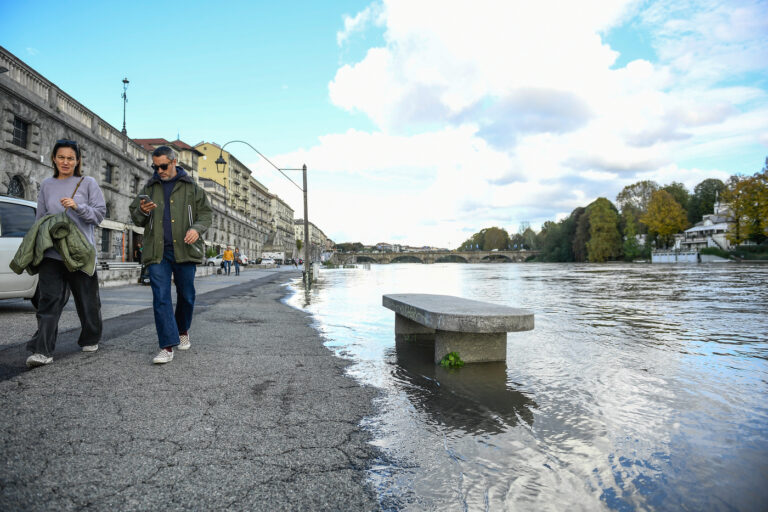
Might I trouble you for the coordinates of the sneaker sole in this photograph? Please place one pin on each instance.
(184, 347)
(35, 364)
(90, 348)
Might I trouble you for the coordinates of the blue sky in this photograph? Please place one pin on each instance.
(424, 122)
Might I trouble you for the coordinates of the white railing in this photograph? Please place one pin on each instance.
(26, 78)
(74, 110)
(111, 134)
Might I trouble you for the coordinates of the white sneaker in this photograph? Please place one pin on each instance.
(91, 348)
(163, 357)
(38, 360)
(184, 343)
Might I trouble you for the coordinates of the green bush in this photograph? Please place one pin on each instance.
(751, 252)
(452, 360)
(716, 251)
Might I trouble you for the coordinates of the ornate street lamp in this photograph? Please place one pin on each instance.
(125, 100)
(220, 162)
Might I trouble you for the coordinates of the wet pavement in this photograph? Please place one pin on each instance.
(257, 415)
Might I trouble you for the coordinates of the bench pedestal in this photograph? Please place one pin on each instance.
(473, 347)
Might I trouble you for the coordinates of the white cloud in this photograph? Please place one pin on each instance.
(500, 112)
(359, 22)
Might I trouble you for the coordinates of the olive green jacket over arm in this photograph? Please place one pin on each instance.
(60, 233)
(189, 209)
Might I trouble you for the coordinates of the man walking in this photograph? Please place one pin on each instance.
(174, 217)
(228, 257)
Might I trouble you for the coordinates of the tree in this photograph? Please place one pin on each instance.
(679, 193)
(636, 197)
(349, 247)
(664, 217)
(604, 238)
(299, 245)
(703, 199)
(747, 198)
(580, 234)
(555, 240)
(631, 247)
(486, 240)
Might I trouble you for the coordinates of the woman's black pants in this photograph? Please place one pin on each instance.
(52, 286)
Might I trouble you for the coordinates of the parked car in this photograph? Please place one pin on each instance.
(216, 260)
(267, 261)
(16, 217)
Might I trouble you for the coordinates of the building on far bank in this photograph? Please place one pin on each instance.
(711, 231)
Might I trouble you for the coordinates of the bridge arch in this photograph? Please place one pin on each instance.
(406, 259)
(451, 258)
(492, 258)
(365, 259)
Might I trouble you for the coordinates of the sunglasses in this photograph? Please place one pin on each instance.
(161, 166)
(66, 142)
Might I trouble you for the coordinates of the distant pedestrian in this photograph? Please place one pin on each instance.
(227, 259)
(296, 265)
(238, 261)
(174, 219)
(82, 200)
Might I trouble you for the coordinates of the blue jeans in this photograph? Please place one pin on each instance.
(167, 323)
(237, 268)
(227, 267)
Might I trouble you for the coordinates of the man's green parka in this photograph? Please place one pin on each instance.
(189, 209)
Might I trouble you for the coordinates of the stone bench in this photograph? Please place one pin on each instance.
(476, 330)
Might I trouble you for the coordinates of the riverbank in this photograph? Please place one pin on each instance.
(257, 415)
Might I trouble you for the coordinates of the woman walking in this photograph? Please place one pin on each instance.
(82, 200)
(238, 261)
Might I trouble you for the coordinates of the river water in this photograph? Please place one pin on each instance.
(642, 387)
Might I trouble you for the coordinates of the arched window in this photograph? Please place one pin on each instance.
(16, 187)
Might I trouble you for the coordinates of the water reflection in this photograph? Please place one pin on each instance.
(474, 399)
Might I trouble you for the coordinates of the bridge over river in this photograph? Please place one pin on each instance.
(348, 258)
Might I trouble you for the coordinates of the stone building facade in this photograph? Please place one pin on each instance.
(34, 114)
(318, 242)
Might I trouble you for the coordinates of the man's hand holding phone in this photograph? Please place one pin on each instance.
(146, 204)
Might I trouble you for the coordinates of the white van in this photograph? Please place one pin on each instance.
(16, 217)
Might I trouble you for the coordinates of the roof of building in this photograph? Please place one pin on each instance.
(183, 145)
(711, 227)
(151, 144)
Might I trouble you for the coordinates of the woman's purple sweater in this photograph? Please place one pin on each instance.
(91, 207)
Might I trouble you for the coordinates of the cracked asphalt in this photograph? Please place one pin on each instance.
(257, 415)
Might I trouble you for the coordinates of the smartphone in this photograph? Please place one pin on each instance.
(145, 197)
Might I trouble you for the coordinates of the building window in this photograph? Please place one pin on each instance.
(16, 187)
(106, 236)
(135, 185)
(107, 211)
(20, 132)
(109, 173)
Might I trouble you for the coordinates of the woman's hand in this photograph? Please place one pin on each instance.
(68, 202)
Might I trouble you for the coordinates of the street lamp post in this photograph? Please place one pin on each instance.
(125, 100)
(220, 161)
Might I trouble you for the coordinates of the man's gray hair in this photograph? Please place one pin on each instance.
(165, 151)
